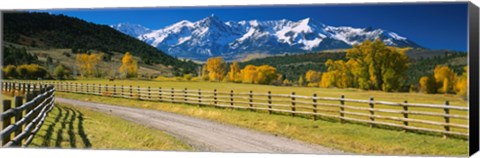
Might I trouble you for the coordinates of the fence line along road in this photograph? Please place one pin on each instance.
(446, 119)
(27, 117)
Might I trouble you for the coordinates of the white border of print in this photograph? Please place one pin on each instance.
(74, 153)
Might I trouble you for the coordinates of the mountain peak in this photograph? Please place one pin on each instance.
(211, 36)
(211, 18)
(306, 20)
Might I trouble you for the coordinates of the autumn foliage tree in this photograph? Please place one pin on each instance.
(427, 84)
(376, 66)
(234, 73)
(338, 75)
(25, 71)
(445, 79)
(249, 74)
(461, 87)
(313, 78)
(129, 66)
(216, 68)
(263, 74)
(87, 64)
(9, 71)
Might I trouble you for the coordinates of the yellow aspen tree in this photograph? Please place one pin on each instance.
(265, 74)
(301, 81)
(129, 66)
(445, 78)
(216, 68)
(313, 78)
(234, 72)
(461, 87)
(87, 64)
(249, 74)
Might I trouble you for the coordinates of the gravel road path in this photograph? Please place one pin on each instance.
(205, 135)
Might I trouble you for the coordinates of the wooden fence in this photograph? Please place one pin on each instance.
(446, 119)
(21, 122)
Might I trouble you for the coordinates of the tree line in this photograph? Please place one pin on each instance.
(371, 65)
(88, 65)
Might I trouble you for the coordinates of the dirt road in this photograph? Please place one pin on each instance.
(205, 135)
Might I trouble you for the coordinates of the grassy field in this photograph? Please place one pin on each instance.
(307, 91)
(348, 137)
(69, 126)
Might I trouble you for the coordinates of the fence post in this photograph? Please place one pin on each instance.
(269, 102)
(114, 90)
(81, 87)
(19, 114)
(35, 104)
(106, 89)
(372, 113)
(447, 118)
(314, 98)
(76, 87)
(34, 87)
(29, 97)
(160, 93)
(99, 89)
(185, 95)
(122, 91)
(250, 100)
(342, 108)
(173, 95)
(93, 89)
(131, 93)
(7, 104)
(28, 89)
(215, 97)
(148, 92)
(199, 97)
(138, 93)
(23, 87)
(231, 98)
(87, 88)
(293, 103)
(405, 112)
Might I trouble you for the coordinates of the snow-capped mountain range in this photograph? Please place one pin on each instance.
(211, 37)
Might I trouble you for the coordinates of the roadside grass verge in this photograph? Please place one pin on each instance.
(348, 137)
(69, 126)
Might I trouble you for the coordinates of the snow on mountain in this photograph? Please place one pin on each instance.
(133, 30)
(211, 36)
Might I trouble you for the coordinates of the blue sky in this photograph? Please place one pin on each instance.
(434, 26)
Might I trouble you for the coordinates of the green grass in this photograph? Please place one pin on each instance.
(69, 126)
(307, 91)
(348, 137)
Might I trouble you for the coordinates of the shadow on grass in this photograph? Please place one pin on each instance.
(67, 125)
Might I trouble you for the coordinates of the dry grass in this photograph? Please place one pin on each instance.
(69, 126)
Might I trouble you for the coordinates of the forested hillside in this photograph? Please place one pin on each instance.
(58, 31)
(293, 66)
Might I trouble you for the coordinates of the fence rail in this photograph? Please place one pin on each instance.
(29, 116)
(446, 119)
